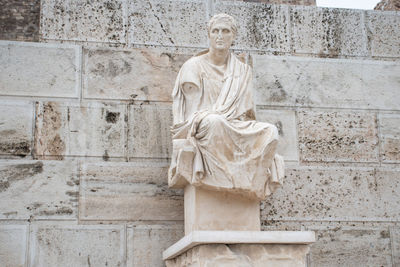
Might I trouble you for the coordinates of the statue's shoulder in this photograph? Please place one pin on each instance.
(192, 63)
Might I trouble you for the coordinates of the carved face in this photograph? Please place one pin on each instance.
(221, 36)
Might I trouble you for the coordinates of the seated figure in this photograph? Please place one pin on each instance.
(217, 143)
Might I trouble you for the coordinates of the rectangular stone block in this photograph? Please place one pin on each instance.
(395, 237)
(383, 33)
(338, 136)
(16, 120)
(37, 69)
(92, 21)
(171, 23)
(73, 129)
(390, 137)
(336, 83)
(335, 194)
(128, 192)
(149, 131)
(38, 190)
(134, 74)
(260, 26)
(351, 247)
(13, 245)
(285, 121)
(147, 243)
(328, 32)
(73, 245)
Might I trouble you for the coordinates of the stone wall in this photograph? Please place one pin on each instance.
(19, 20)
(85, 117)
(393, 5)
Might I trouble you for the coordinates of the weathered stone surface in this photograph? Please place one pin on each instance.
(388, 5)
(38, 190)
(285, 121)
(299, 81)
(246, 255)
(20, 20)
(58, 245)
(95, 21)
(13, 241)
(146, 243)
(127, 192)
(16, 119)
(351, 248)
(172, 22)
(71, 129)
(149, 131)
(383, 33)
(33, 69)
(138, 74)
(328, 32)
(335, 194)
(390, 137)
(338, 136)
(395, 237)
(261, 27)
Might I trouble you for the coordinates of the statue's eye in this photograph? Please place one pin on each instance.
(225, 30)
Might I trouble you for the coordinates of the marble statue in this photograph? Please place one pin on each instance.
(217, 142)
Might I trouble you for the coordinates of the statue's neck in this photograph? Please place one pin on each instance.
(218, 57)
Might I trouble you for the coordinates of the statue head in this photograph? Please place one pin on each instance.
(222, 30)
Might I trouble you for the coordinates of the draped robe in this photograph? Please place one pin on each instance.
(217, 144)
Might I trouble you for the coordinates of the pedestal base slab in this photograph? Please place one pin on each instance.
(240, 248)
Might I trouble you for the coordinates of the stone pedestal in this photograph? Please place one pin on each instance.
(219, 210)
(240, 248)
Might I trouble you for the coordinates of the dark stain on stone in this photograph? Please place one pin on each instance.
(112, 117)
(21, 149)
(385, 234)
(279, 126)
(278, 94)
(145, 90)
(10, 213)
(106, 157)
(18, 172)
(58, 211)
(72, 193)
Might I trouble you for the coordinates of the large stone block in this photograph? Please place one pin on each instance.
(390, 137)
(328, 32)
(338, 136)
(128, 192)
(146, 243)
(312, 82)
(335, 194)
(149, 131)
(138, 74)
(94, 21)
(59, 245)
(13, 245)
(38, 190)
(285, 121)
(36, 69)
(383, 33)
(16, 120)
(72, 129)
(260, 26)
(351, 247)
(171, 23)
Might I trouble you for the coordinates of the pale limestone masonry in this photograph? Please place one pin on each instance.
(85, 117)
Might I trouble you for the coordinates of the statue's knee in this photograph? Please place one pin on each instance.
(212, 119)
